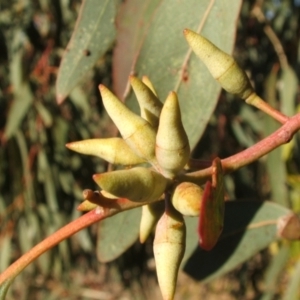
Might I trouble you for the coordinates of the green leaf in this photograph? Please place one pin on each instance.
(288, 91)
(5, 248)
(117, 234)
(274, 270)
(4, 288)
(248, 228)
(164, 56)
(275, 164)
(22, 102)
(93, 34)
(191, 241)
(23, 97)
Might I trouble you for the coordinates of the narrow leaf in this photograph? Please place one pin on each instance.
(21, 104)
(164, 56)
(133, 20)
(117, 234)
(93, 34)
(249, 226)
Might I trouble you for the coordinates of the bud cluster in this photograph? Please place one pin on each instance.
(154, 148)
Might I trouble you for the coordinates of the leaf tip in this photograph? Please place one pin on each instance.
(60, 98)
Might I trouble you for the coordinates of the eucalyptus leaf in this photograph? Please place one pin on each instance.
(275, 164)
(117, 234)
(5, 249)
(249, 227)
(93, 34)
(165, 57)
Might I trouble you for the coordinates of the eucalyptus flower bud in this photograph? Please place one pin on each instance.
(149, 104)
(113, 150)
(136, 184)
(172, 145)
(187, 199)
(149, 84)
(169, 248)
(288, 227)
(150, 215)
(137, 132)
(222, 66)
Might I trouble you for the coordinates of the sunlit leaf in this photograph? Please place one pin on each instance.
(132, 21)
(117, 234)
(93, 34)
(249, 226)
(164, 56)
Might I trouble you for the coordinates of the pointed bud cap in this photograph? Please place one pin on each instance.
(149, 84)
(172, 145)
(137, 184)
(187, 198)
(221, 65)
(288, 227)
(169, 248)
(113, 150)
(137, 132)
(150, 215)
(149, 104)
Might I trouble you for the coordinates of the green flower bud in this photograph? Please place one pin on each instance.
(149, 104)
(137, 132)
(222, 66)
(136, 184)
(150, 215)
(113, 150)
(187, 199)
(149, 84)
(172, 145)
(169, 247)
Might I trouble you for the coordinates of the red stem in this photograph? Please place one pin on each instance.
(107, 209)
(281, 136)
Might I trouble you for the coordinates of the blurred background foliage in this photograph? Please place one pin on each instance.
(41, 181)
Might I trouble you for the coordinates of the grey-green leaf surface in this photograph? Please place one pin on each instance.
(273, 272)
(93, 35)
(117, 234)
(164, 56)
(4, 288)
(275, 164)
(249, 227)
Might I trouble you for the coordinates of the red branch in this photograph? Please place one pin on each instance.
(280, 137)
(107, 209)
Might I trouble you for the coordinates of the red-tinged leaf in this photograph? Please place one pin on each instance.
(212, 209)
(132, 22)
(93, 35)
